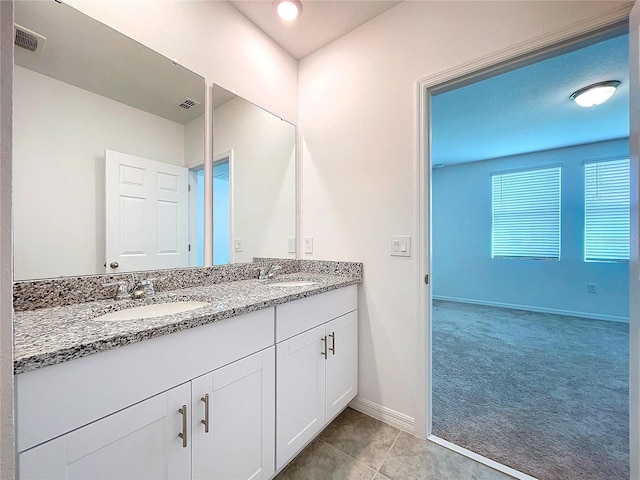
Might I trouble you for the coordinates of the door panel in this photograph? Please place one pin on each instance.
(342, 363)
(147, 213)
(300, 386)
(241, 438)
(139, 442)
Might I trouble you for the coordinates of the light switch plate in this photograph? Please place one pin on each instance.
(400, 246)
(308, 245)
(237, 245)
(291, 245)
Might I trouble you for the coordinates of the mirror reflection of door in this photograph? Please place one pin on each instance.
(146, 214)
(221, 213)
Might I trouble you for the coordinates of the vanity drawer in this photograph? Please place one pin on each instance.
(57, 399)
(296, 317)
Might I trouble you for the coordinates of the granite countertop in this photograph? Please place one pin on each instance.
(54, 335)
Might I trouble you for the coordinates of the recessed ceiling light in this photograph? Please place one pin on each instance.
(595, 94)
(288, 10)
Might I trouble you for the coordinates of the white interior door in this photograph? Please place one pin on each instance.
(147, 214)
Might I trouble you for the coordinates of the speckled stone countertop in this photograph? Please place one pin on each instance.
(49, 336)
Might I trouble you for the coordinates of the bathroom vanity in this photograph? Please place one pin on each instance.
(232, 390)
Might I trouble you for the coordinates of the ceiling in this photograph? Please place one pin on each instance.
(90, 55)
(321, 22)
(529, 109)
(521, 111)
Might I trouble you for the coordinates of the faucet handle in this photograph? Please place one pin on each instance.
(147, 283)
(122, 291)
(273, 270)
(262, 272)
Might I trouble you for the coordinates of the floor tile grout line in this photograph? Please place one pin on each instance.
(350, 456)
(384, 457)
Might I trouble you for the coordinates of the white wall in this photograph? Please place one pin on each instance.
(358, 116)
(7, 451)
(60, 136)
(462, 265)
(262, 177)
(194, 142)
(212, 39)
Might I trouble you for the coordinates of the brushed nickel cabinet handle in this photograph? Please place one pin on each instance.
(205, 422)
(183, 434)
(324, 340)
(332, 348)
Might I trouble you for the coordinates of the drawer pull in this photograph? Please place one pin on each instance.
(205, 422)
(324, 340)
(183, 434)
(332, 348)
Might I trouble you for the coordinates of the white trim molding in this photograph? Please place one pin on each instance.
(384, 414)
(529, 308)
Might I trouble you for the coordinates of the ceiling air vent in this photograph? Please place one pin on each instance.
(27, 39)
(188, 103)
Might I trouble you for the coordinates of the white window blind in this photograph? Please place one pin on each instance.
(526, 214)
(606, 211)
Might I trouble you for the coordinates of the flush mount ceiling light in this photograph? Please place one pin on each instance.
(288, 10)
(595, 94)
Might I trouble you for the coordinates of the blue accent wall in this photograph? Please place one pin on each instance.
(461, 241)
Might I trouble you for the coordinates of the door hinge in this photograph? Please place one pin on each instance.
(188, 187)
(189, 249)
(426, 279)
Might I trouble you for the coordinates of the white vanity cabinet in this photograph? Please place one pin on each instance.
(317, 366)
(235, 399)
(233, 420)
(138, 442)
(76, 420)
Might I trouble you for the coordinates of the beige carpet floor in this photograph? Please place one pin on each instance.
(545, 394)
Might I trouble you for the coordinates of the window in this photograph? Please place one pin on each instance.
(606, 211)
(526, 214)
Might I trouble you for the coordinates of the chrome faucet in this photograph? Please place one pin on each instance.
(268, 272)
(122, 291)
(143, 289)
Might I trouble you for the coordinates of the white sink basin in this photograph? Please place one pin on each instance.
(150, 311)
(293, 283)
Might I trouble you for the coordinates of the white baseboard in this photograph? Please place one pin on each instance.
(384, 414)
(528, 308)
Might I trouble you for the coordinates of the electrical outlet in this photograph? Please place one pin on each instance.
(308, 245)
(237, 245)
(591, 288)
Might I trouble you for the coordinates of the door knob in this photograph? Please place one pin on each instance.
(114, 264)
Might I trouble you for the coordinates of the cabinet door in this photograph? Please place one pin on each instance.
(139, 442)
(300, 387)
(240, 443)
(342, 363)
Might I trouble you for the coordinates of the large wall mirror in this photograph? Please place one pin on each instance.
(108, 156)
(254, 158)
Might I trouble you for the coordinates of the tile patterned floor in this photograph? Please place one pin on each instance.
(357, 447)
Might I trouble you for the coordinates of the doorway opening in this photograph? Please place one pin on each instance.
(222, 195)
(529, 326)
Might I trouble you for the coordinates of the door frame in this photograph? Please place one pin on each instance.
(614, 22)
